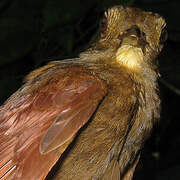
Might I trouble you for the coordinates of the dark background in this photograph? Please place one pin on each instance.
(33, 32)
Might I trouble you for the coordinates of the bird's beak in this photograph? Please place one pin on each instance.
(133, 38)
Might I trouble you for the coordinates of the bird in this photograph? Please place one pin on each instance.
(96, 110)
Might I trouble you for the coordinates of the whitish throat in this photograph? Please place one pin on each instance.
(130, 56)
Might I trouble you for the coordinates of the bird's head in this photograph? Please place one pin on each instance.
(129, 35)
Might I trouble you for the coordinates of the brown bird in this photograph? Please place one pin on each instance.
(111, 88)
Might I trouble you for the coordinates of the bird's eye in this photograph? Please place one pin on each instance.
(164, 36)
(103, 24)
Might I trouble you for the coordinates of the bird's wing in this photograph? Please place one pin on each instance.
(35, 121)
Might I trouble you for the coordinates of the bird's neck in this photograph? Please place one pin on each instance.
(127, 57)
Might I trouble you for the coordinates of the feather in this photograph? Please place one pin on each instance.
(37, 120)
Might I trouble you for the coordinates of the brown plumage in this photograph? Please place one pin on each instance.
(111, 88)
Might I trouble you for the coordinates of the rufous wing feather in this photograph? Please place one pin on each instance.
(75, 114)
(38, 123)
(62, 130)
